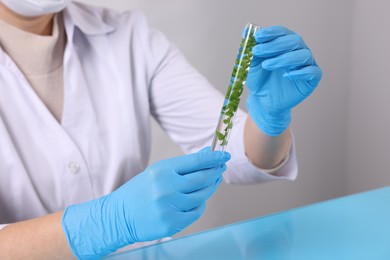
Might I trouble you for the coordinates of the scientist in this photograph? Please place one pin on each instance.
(78, 87)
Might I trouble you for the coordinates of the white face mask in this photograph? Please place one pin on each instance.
(33, 8)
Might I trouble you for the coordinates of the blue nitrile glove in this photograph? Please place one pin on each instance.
(159, 202)
(283, 73)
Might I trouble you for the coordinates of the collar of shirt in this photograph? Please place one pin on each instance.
(89, 21)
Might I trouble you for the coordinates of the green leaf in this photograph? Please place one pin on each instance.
(224, 142)
(229, 113)
(234, 71)
(233, 102)
(234, 95)
(238, 84)
(229, 90)
(240, 75)
(220, 136)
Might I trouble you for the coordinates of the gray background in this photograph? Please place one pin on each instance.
(341, 131)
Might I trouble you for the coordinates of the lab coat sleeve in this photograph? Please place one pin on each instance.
(2, 226)
(187, 107)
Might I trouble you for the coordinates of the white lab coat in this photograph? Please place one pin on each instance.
(118, 73)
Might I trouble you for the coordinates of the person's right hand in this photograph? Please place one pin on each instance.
(159, 202)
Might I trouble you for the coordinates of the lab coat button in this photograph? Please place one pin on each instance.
(73, 167)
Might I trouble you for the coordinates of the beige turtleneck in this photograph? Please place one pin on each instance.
(40, 58)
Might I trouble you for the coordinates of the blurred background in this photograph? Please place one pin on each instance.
(341, 131)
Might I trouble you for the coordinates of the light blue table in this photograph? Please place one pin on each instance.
(350, 228)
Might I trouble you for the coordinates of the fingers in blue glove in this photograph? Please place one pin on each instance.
(270, 33)
(185, 218)
(311, 74)
(290, 61)
(280, 45)
(199, 180)
(190, 201)
(204, 159)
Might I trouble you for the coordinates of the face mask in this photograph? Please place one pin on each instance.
(33, 8)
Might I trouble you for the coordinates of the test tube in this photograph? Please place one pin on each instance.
(235, 88)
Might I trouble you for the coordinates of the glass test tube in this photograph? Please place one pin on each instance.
(235, 88)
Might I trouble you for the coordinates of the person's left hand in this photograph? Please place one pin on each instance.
(283, 73)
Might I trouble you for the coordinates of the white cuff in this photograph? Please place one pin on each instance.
(3, 226)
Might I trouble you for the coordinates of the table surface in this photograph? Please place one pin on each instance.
(352, 227)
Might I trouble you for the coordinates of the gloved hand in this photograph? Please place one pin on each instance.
(159, 202)
(283, 73)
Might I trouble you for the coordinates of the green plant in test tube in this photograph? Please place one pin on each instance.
(235, 88)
